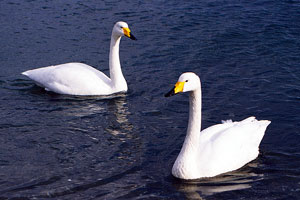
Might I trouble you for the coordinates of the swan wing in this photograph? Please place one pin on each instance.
(231, 145)
(71, 78)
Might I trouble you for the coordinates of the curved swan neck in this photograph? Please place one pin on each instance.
(115, 71)
(194, 125)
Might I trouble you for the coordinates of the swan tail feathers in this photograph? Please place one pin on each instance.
(226, 121)
(263, 124)
(249, 119)
(25, 73)
(259, 134)
(29, 73)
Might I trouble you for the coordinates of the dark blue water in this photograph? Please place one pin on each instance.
(247, 55)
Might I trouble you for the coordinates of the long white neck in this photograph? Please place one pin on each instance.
(116, 75)
(194, 126)
(186, 163)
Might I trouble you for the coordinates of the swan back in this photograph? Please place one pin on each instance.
(71, 78)
(230, 146)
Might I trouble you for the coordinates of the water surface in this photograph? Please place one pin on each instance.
(62, 147)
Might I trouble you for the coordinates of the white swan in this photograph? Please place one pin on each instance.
(217, 149)
(82, 79)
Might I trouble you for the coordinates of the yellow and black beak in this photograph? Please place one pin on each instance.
(128, 33)
(177, 88)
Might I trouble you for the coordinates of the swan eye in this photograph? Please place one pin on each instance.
(187, 81)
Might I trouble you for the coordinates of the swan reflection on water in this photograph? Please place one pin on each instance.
(236, 180)
(109, 113)
(118, 117)
(84, 106)
(114, 110)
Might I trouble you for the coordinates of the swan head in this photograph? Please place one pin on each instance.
(187, 82)
(121, 29)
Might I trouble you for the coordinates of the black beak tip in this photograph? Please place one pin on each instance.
(170, 93)
(132, 37)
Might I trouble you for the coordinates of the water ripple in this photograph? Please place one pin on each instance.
(123, 146)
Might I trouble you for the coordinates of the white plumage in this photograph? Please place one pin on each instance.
(82, 79)
(217, 149)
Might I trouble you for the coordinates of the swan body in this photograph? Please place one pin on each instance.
(217, 149)
(82, 79)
